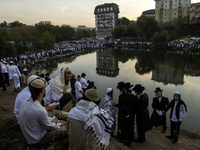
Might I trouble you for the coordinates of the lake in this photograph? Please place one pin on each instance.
(169, 70)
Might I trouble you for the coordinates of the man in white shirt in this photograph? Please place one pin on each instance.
(78, 89)
(178, 112)
(34, 122)
(59, 89)
(14, 76)
(83, 82)
(25, 94)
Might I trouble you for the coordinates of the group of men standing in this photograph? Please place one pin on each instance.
(131, 105)
(10, 73)
(88, 125)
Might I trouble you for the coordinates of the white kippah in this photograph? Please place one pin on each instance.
(177, 92)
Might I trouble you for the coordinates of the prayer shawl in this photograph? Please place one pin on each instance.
(58, 83)
(93, 118)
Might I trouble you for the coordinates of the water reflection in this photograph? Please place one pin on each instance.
(167, 68)
(107, 65)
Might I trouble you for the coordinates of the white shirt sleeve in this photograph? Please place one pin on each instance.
(182, 112)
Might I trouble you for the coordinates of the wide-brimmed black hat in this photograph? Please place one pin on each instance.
(127, 86)
(138, 88)
(158, 89)
(120, 85)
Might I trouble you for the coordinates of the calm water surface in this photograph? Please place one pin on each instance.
(171, 72)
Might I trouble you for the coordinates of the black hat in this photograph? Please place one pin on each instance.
(127, 85)
(47, 74)
(120, 85)
(138, 88)
(158, 89)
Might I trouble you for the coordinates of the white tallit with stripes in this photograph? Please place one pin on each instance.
(95, 118)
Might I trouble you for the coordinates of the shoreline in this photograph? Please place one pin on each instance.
(12, 138)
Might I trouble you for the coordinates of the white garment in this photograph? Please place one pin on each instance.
(78, 88)
(34, 121)
(3, 69)
(95, 118)
(83, 83)
(14, 75)
(21, 96)
(182, 112)
(52, 95)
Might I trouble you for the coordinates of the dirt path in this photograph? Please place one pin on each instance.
(12, 138)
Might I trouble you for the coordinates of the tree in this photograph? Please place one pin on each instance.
(118, 31)
(132, 30)
(44, 26)
(48, 40)
(160, 37)
(66, 31)
(147, 26)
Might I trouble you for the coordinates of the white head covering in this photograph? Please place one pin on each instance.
(177, 92)
(108, 90)
(31, 78)
(24, 69)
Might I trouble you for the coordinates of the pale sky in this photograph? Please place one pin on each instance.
(70, 12)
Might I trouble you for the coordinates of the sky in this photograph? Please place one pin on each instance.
(69, 12)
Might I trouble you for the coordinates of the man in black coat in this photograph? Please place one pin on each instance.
(160, 103)
(122, 96)
(142, 112)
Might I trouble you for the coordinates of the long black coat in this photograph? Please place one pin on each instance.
(157, 120)
(142, 114)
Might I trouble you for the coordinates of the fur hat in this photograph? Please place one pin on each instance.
(92, 95)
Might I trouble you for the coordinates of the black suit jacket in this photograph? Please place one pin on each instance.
(156, 105)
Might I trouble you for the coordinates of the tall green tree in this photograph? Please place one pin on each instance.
(132, 30)
(147, 26)
(48, 40)
(118, 31)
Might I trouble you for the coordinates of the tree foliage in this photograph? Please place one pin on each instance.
(48, 40)
(118, 31)
(147, 26)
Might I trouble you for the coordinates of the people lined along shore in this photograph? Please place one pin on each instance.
(41, 112)
(65, 47)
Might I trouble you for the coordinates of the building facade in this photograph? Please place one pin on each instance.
(167, 10)
(195, 13)
(106, 17)
(149, 13)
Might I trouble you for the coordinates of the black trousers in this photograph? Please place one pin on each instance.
(65, 99)
(6, 79)
(164, 124)
(175, 129)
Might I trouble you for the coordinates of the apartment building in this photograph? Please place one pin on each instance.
(167, 10)
(106, 17)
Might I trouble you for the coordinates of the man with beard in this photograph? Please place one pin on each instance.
(159, 104)
(59, 89)
(34, 122)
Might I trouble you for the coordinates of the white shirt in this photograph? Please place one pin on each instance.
(182, 112)
(52, 96)
(13, 71)
(83, 83)
(21, 96)
(34, 121)
(78, 88)
(3, 69)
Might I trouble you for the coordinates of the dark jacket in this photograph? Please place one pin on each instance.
(171, 105)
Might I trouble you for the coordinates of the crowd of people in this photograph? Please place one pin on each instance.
(40, 109)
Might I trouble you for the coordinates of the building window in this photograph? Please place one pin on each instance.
(107, 8)
(111, 8)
